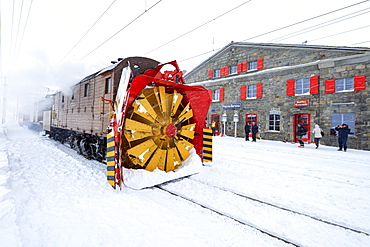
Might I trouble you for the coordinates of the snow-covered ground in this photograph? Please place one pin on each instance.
(50, 196)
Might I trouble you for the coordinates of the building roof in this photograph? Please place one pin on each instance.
(278, 45)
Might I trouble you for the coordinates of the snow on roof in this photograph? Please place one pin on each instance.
(299, 46)
(110, 67)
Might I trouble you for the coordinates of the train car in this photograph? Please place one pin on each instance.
(139, 117)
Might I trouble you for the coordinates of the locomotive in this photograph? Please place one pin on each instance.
(139, 117)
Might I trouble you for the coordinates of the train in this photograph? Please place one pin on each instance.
(139, 117)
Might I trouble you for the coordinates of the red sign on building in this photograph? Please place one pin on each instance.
(300, 103)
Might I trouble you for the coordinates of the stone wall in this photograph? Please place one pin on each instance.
(281, 64)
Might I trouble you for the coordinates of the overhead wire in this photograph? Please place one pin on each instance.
(361, 42)
(182, 35)
(19, 24)
(1, 49)
(11, 35)
(83, 36)
(309, 19)
(120, 30)
(321, 25)
(355, 29)
(24, 30)
(278, 29)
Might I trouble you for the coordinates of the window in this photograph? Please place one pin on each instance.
(274, 122)
(73, 94)
(344, 84)
(87, 88)
(216, 95)
(62, 98)
(344, 118)
(302, 86)
(108, 85)
(251, 91)
(356, 83)
(233, 69)
(252, 65)
(216, 73)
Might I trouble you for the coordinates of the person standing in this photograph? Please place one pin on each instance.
(213, 127)
(247, 130)
(343, 132)
(317, 135)
(254, 131)
(301, 131)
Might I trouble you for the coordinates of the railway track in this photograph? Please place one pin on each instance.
(273, 220)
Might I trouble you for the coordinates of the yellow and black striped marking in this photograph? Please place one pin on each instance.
(207, 145)
(110, 159)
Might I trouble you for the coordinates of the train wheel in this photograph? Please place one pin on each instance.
(157, 131)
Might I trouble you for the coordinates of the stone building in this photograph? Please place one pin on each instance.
(281, 85)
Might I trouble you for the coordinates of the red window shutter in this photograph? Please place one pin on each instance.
(244, 67)
(210, 74)
(260, 63)
(226, 70)
(259, 90)
(290, 89)
(222, 94)
(314, 85)
(243, 92)
(360, 82)
(239, 67)
(330, 86)
(210, 94)
(222, 71)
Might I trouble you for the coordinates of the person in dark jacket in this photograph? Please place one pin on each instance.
(247, 130)
(343, 132)
(301, 131)
(254, 131)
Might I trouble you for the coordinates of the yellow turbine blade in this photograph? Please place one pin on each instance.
(176, 158)
(187, 133)
(137, 126)
(176, 102)
(141, 111)
(169, 99)
(170, 164)
(147, 106)
(188, 130)
(157, 160)
(185, 114)
(136, 135)
(163, 99)
(140, 154)
(183, 147)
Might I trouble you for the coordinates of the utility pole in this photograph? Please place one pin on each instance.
(4, 101)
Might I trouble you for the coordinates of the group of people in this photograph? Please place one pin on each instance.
(248, 128)
(343, 132)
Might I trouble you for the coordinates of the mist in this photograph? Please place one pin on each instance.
(36, 76)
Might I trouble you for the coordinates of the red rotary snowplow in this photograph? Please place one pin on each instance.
(157, 126)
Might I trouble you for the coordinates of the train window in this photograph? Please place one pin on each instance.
(108, 82)
(136, 67)
(87, 87)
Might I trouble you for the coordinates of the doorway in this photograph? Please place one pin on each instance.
(304, 120)
(249, 118)
(216, 119)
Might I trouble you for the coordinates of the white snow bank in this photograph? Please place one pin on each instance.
(140, 178)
